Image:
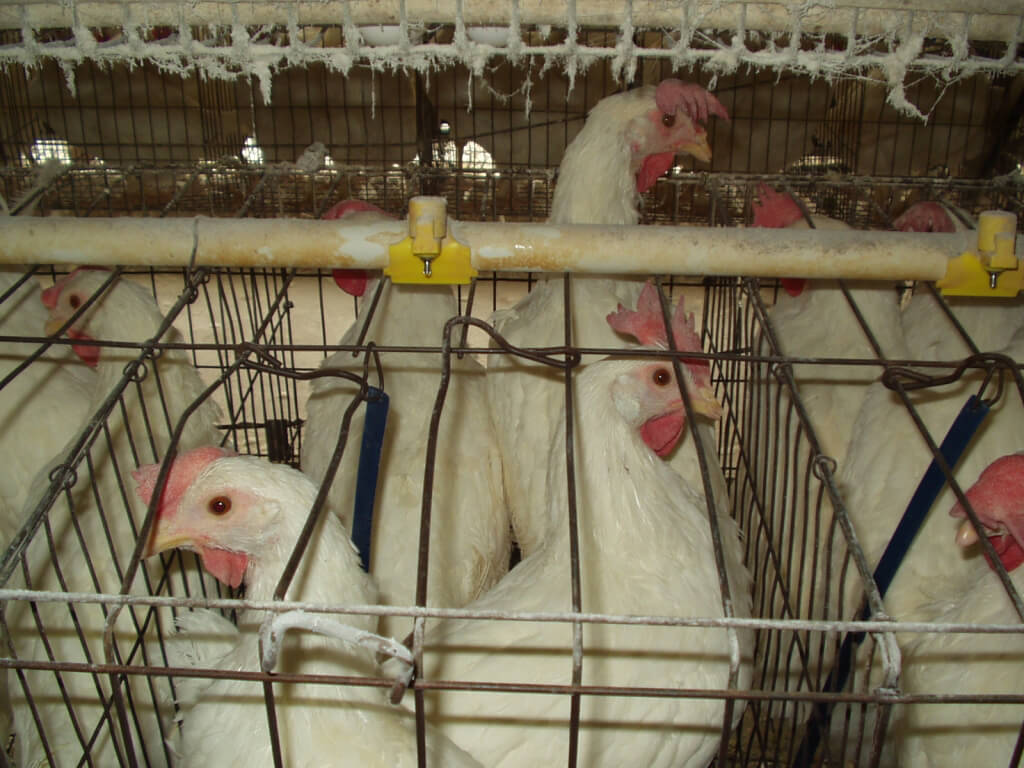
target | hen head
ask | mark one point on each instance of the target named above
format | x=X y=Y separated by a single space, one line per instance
x=647 y=396
x=778 y=210
x=925 y=217
x=998 y=500
x=210 y=505
x=352 y=281
x=672 y=127
x=65 y=297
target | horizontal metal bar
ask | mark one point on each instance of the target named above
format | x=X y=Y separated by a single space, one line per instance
x=522 y=247
x=539 y=616
x=209 y=673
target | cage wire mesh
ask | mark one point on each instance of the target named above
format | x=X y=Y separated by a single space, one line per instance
x=275 y=110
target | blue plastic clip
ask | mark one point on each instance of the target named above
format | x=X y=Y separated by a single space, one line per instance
x=369 y=468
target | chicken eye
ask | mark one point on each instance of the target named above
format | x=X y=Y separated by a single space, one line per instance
x=219 y=506
x=668 y=120
x=74 y=301
x=661 y=377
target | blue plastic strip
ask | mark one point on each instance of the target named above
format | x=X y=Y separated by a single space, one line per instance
x=369 y=467
x=934 y=480
x=955 y=443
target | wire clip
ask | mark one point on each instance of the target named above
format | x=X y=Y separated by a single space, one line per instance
x=993 y=269
x=274 y=629
x=429 y=255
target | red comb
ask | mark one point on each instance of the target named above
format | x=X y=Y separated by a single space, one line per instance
x=998 y=495
x=925 y=217
x=184 y=470
x=351 y=281
x=775 y=210
x=52 y=294
x=673 y=94
x=647 y=325
x=345 y=207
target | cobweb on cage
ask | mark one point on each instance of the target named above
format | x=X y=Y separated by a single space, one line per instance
x=892 y=42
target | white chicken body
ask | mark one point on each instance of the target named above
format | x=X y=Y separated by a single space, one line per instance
x=645 y=547
x=41 y=406
x=318 y=724
x=94 y=533
x=819 y=323
x=597 y=184
x=955 y=735
x=470 y=540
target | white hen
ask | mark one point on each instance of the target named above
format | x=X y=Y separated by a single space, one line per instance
x=887 y=458
x=469 y=534
x=628 y=140
x=244 y=516
x=815 y=320
x=951 y=735
x=886 y=461
x=94 y=525
x=42 y=405
x=645 y=548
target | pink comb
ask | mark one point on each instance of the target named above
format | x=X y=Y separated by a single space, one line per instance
x=673 y=94
x=647 y=325
x=775 y=210
x=345 y=207
x=184 y=470
x=925 y=217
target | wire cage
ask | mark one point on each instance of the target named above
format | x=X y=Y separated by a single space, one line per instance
x=145 y=111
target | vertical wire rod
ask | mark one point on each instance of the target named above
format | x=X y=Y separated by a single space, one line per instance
x=712 y=511
x=574 y=539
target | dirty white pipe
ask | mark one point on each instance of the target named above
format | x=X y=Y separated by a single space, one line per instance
x=648 y=250
x=310 y=243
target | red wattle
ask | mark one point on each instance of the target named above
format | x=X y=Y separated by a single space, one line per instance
x=351 y=281
x=87 y=353
x=661 y=434
x=652 y=168
x=226 y=567
x=1010 y=553
x=794 y=285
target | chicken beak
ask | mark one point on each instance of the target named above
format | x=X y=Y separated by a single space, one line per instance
x=966 y=535
x=698 y=148
x=161 y=541
x=706 y=404
x=53 y=324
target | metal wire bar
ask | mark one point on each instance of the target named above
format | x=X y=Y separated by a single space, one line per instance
x=711 y=507
x=527 y=688
x=573 y=518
